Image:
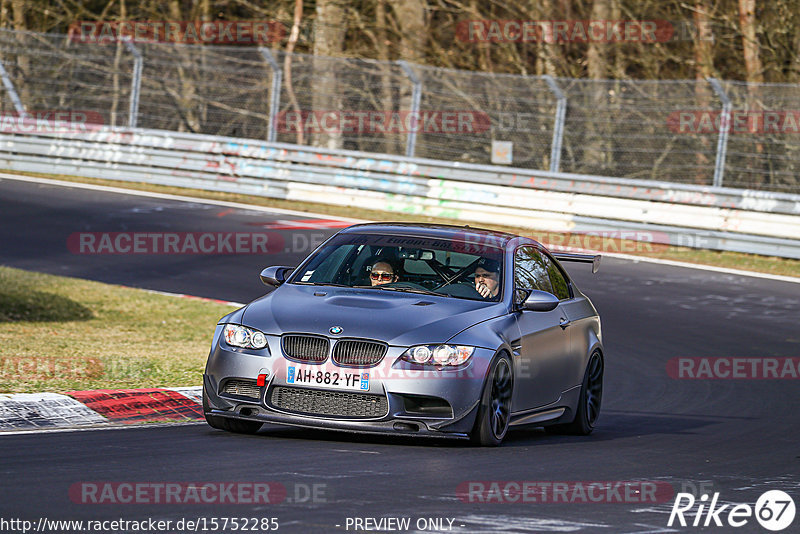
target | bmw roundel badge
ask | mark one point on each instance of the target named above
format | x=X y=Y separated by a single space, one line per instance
x=336 y=330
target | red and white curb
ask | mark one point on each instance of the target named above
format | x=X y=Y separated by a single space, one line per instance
x=99 y=408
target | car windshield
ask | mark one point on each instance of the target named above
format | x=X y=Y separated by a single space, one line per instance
x=445 y=267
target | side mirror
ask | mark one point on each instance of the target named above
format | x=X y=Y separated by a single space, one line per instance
x=275 y=275
x=541 y=301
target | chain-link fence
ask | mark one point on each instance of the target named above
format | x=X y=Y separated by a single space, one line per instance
x=672 y=131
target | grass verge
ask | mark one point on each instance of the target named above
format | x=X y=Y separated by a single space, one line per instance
x=59 y=334
x=730 y=260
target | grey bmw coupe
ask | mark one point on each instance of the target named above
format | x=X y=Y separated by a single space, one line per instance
x=416 y=330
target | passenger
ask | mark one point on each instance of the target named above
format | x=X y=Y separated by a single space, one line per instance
x=382 y=272
x=487 y=278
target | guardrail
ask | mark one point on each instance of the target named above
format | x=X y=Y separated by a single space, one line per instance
x=666 y=213
x=700 y=131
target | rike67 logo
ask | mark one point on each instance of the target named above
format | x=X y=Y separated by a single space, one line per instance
x=774 y=510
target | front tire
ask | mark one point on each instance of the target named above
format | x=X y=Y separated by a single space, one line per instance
x=588 y=402
x=494 y=413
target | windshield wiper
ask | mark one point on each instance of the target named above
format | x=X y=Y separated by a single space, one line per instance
x=321 y=284
x=412 y=290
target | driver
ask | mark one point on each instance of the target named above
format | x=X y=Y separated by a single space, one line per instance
x=487 y=278
x=381 y=273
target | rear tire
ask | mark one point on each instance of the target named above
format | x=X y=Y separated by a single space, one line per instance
x=588 y=402
x=494 y=412
x=224 y=423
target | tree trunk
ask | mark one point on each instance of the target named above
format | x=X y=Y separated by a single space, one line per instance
x=411 y=19
x=794 y=77
x=413 y=32
x=23 y=63
x=597 y=55
x=551 y=56
x=186 y=90
x=704 y=68
x=752 y=56
x=596 y=151
x=287 y=63
x=755 y=74
x=391 y=145
x=120 y=49
x=330 y=27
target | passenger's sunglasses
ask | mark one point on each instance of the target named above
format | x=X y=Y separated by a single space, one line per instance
x=383 y=277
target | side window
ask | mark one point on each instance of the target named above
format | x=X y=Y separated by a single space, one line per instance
x=534 y=270
x=530 y=270
x=557 y=280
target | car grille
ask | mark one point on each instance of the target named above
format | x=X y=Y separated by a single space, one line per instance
x=305 y=348
x=358 y=353
x=335 y=403
x=241 y=388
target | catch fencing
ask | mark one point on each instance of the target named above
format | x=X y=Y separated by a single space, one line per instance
x=706 y=132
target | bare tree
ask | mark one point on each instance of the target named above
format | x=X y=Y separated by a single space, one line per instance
x=597 y=55
x=596 y=150
x=413 y=29
x=287 y=62
x=18 y=8
x=754 y=72
x=704 y=69
x=752 y=57
x=330 y=28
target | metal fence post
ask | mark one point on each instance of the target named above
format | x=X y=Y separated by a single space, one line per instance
x=136 y=84
x=12 y=91
x=558 y=126
x=416 y=97
x=275 y=93
x=724 y=128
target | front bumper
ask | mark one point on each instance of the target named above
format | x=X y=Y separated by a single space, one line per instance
x=418 y=401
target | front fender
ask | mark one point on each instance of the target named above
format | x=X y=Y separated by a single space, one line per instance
x=494 y=334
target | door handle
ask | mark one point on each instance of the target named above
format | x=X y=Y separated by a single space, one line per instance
x=564 y=323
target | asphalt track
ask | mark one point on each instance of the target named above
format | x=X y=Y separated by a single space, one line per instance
x=736 y=437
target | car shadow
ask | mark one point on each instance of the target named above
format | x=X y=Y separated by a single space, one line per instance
x=622 y=424
x=612 y=425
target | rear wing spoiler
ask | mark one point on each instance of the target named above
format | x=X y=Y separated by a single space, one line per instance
x=594 y=259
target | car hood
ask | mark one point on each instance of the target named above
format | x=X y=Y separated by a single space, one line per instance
x=397 y=318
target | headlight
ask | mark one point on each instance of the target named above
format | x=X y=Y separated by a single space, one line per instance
x=246 y=338
x=438 y=354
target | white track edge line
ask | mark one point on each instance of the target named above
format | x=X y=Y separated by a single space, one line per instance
x=167 y=196
x=672 y=263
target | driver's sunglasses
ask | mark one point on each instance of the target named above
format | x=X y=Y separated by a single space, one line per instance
x=383 y=277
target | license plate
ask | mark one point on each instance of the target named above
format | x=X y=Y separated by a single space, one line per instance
x=320 y=377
